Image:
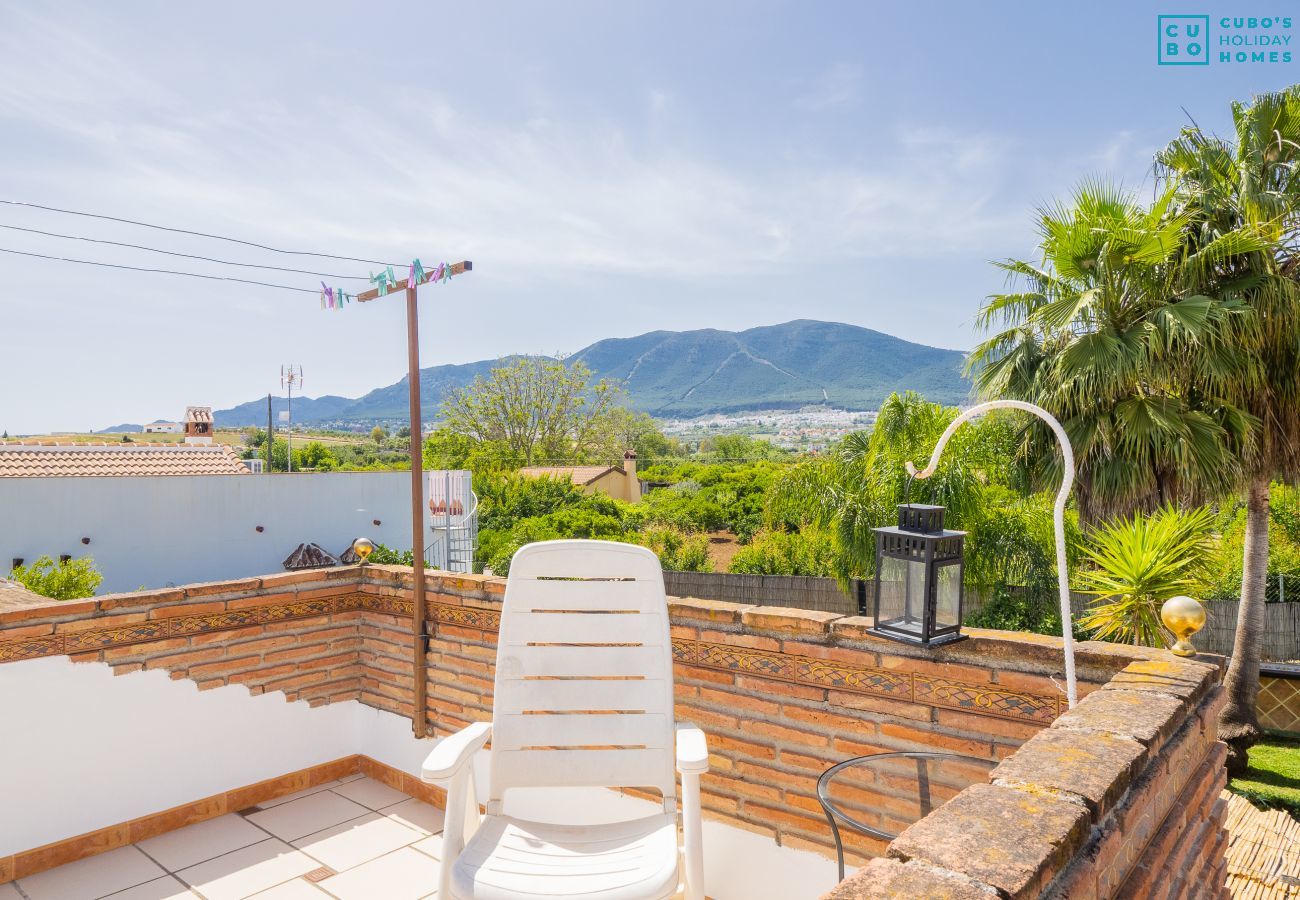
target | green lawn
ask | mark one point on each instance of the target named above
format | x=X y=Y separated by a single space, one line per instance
x=1273 y=778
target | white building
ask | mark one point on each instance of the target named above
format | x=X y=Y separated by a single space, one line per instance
x=151 y=515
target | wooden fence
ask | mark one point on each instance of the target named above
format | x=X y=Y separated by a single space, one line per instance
x=1280 y=640
x=1281 y=637
x=799 y=591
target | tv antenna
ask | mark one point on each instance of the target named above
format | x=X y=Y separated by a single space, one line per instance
x=290 y=376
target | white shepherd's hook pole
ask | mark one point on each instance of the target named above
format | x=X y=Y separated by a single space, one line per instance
x=1062 y=574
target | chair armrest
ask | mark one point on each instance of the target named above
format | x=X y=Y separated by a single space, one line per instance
x=455 y=751
x=692 y=751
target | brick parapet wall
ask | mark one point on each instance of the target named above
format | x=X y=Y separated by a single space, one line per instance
x=781 y=693
x=1119 y=798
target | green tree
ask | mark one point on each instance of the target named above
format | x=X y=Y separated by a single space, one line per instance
x=447 y=449
x=378 y=434
x=66 y=580
x=1240 y=196
x=740 y=447
x=624 y=429
x=315 y=455
x=538 y=407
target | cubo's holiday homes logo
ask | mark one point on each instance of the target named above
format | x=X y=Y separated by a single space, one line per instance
x=1236 y=40
x=1182 y=40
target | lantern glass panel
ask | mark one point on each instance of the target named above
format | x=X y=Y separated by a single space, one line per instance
x=901 y=604
x=947 y=596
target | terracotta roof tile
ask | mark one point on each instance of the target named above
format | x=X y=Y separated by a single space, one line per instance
x=579 y=475
x=198 y=414
x=14 y=596
x=310 y=556
x=50 y=459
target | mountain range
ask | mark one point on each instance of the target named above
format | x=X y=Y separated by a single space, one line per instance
x=683 y=374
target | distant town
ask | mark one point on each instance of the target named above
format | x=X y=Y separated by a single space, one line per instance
x=810 y=429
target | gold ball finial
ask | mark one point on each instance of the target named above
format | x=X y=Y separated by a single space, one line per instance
x=363 y=547
x=1184 y=617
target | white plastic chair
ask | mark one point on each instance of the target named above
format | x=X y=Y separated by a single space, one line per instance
x=583 y=698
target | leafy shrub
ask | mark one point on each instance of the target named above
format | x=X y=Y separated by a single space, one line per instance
x=710 y=497
x=526 y=532
x=1011 y=609
x=506 y=499
x=808 y=552
x=677 y=550
x=389 y=557
x=61 y=581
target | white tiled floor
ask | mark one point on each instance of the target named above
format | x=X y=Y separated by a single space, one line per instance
x=373 y=843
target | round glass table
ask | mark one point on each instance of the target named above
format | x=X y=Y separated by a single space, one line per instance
x=881 y=794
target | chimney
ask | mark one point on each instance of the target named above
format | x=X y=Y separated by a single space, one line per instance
x=629 y=474
x=198 y=425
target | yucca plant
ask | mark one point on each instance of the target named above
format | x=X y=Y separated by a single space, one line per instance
x=1140 y=563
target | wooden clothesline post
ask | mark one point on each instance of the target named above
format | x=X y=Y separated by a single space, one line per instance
x=419 y=714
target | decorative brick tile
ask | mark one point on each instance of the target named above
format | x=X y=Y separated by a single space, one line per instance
x=31 y=648
x=467 y=616
x=1279 y=703
x=223 y=621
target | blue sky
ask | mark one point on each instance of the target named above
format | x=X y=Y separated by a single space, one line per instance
x=611 y=168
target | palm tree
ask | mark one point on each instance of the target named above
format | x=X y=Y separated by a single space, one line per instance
x=1105 y=334
x=1243 y=195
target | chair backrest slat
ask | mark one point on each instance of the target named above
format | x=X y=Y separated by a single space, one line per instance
x=584 y=689
x=573 y=768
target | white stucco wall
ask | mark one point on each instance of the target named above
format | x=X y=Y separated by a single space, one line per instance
x=166 y=530
x=83 y=749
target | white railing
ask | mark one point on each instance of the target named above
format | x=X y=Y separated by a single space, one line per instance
x=1062 y=570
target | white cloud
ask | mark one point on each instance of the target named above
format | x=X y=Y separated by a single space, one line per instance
x=836 y=87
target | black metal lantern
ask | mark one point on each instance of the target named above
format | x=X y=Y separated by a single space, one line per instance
x=917 y=594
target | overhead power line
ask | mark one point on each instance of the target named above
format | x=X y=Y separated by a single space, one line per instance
x=224 y=262
x=215 y=237
x=87 y=262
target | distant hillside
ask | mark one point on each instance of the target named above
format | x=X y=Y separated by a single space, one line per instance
x=800 y=363
x=305 y=409
x=120 y=429
x=394 y=401
x=691 y=373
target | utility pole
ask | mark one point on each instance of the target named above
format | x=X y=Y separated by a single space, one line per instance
x=270 y=434
x=289 y=376
x=419 y=712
